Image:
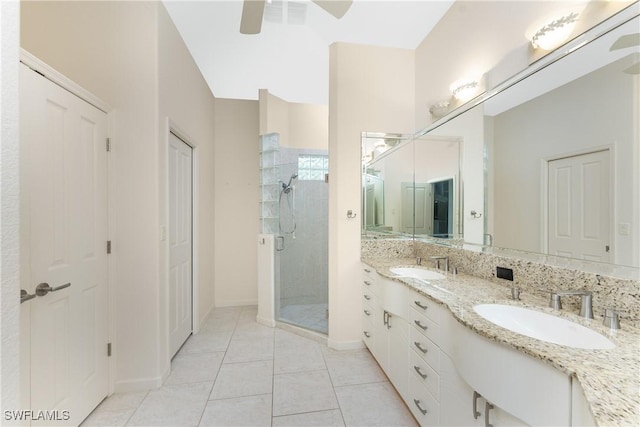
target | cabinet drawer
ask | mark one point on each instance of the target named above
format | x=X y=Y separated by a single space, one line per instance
x=424 y=374
x=423 y=405
x=368 y=336
x=425 y=326
x=426 y=306
x=368 y=297
x=370 y=284
x=425 y=348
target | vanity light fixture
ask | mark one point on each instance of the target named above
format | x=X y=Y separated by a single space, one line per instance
x=555 y=32
x=439 y=109
x=464 y=90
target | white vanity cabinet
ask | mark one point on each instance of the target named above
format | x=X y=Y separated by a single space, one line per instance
x=385 y=330
x=449 y=375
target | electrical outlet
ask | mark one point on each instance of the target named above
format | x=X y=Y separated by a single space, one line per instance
x=504 y=273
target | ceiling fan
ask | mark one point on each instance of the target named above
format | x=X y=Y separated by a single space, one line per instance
x=253 y=11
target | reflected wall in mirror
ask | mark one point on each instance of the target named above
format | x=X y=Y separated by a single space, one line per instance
x=564 y=155
x=411 y=186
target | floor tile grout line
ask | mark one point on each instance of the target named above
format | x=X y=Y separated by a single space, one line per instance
x=219 y=368
x=333 y=387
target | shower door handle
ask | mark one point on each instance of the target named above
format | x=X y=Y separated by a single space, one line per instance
x=279 y=243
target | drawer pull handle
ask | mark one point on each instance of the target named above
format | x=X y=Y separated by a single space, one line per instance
x=420 y=325
x=367 y=334
x=487 y=407
x=366 y=270
x=367 y=312
x=476 y=413
x=367 y=297
x=417 y=368
x=419 y=304
x=417 y=403
x=417 y=344
x=368 y=283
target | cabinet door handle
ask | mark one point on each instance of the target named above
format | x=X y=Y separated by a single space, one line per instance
x=420 y=325
x=476 y=413
x=417 y=344
x=367 y=312
x=367 y=334
x=487 y=407
x=417 y=403
x=368 y=283
x=417 y=368
x=419 y=304
x=367 y=297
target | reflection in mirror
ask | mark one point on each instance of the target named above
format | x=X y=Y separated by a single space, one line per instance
x=564 y=155
x=561 y=154
x=437 y=186
x=411 y=186
x=387 y=167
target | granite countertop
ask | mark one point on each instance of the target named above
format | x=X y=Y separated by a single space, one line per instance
x=610 y=378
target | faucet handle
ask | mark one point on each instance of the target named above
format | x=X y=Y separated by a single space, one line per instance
x=554 y=301
x=611 y=318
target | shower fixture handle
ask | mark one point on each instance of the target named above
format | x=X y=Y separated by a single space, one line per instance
x=279 y=243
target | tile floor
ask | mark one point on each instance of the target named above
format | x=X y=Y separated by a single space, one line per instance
x=236 y=372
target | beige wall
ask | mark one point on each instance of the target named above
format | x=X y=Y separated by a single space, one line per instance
x=370 y=89
x=237 y=210
x=186 y=105
x=299 y=125
x=129 y=54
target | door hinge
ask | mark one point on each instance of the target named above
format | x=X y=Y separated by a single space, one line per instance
x=108 y=144
x=108 y=247
x=108 y=349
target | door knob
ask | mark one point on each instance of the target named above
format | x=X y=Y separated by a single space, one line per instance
x=43 y=288
x=26 y=296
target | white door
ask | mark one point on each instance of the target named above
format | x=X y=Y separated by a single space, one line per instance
x=64 y=236
x=579 y=206
x=417 y=210
x=180 y=242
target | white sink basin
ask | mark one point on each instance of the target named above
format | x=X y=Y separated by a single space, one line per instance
x=416 y=273
x=543 y=326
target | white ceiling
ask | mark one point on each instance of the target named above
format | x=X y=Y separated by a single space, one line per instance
x=291 y=60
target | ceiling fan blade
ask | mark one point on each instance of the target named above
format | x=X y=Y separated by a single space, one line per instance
x=626 y=41
x=335 y=7
x=252 y=11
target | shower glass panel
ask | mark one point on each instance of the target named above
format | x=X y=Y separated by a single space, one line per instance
x=301 y=236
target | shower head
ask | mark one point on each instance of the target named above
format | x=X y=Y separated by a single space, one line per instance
x=287 y=187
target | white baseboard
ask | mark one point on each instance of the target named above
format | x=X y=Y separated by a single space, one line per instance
x=345 y=345
x=266 y=321
x=142 y=384
x=236 y=302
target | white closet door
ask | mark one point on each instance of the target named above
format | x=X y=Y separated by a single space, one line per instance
x=579 y=207
x=180 y=242
x=64 y=231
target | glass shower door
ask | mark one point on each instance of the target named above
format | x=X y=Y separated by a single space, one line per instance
x=301 y=239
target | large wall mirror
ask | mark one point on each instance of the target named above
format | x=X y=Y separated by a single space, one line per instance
x=560 y=155
x=564 y=155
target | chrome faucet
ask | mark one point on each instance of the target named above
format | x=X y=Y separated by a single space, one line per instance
x=437 y=260
x=586 y=299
